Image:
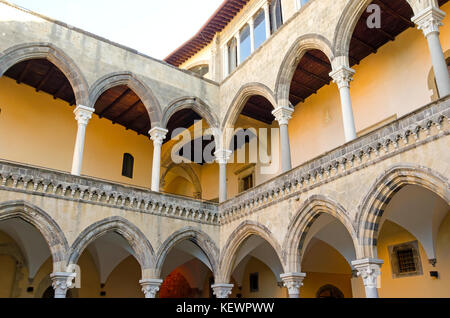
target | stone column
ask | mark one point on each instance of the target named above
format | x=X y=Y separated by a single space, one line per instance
x=82 y=114
x=369 y=269
x=251 y=24
x=226 y=59
x=283 y=114
x=222 y=290
x=222 y=157
x=61 y=283
x=150 y=287
x=293 y=282
x=267 y=18
x=238 y=48
x=342 y=77
x=429 y=20
x=157 y=135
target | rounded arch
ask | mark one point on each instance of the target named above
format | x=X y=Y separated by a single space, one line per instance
x=382 y=191
x=239 y=235
x=298 y=229
x=198 y=237
x=238 y=103
x=61 y=60
x=143 y=251
x=292 y=58
x=193 y=103
x=190 y=172
x=44 y=223
x=349 y=18
x=131 y=80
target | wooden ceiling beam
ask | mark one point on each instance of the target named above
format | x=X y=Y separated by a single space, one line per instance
x=24 y=72
x=115 y=102
x=45 y=78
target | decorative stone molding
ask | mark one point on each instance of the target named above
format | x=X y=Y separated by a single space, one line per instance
x=61 y=283
x=223 y=156
x=293 y=282
x=158 y=135
x=369 y=269
x=83 y=114
x=222 y=290
x=342 y=76
x=150 y=287
x=429 y=20
x=61 y=185
x=283 y=114
x=422 y=126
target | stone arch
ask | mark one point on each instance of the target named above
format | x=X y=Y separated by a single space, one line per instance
x=195 y=104
x=293 y=56
x=198 y=237
x=308 y=213
x=131 y=80
x=143 y=251
x=42 y=50
x=190 y=172
x=238 y=103
x=44 y=223
x=349 y=19
x=239 y=235
x=381 y=193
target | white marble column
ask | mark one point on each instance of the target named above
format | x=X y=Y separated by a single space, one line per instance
x=222 y=158
x=251 y=25
x=369 y=269
x=342 y=77
x=238 y=48
x=82 y=114
x=157 y=135
x=222 y=290
x=150 y=287
x=429 y=20
x=293 y=282
x=267 y=18
x=283 y=114
x=62 y=282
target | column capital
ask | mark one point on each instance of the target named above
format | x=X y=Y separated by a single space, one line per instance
x=83 y=114
x=342 y=76
x=222 y=290
x=369 y=269
x=293 y=282
x=61 y=282
x=158 y=134
x=429 y=20
x=223 y=156
x=283 y=114
x=150 y=287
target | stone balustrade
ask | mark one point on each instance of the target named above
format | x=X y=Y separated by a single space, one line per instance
x=61 y=185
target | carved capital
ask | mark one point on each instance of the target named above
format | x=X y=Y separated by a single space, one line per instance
x=150 y=287
x=293 y=282
x=222 y=290
x=158 y=135
x=283 y=114
x=429 y=20
x=223 y=156
x=369 y=269
x=83 y=114
x=342 y=76
x=62 y=282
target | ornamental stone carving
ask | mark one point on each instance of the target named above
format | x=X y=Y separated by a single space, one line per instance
x=429 y=20
x=342 y=76
x=369 y=270
x=283 y=114
x=83 y=114
x=158 y=135
x=150 y=287
x=222 y=290
x=293 y=282
x=61 y=283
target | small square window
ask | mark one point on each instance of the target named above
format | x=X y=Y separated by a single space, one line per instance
x=128 y=165
x=247 y=182
x=254 y=282
x=405 y=260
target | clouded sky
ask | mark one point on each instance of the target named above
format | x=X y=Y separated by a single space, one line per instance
x=153 y=27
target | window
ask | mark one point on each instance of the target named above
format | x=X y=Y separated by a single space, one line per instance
x=232 y=55
x=127 y=167
x=247 y=182
x=405 y=260
x=276 y=15
x=246 y=45
x=260 y=29
x=303 y=2
x=254 y=282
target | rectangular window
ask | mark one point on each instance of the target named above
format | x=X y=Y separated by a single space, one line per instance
x=254 y=282
x=247 y=182
x=127 y=166
x=246 y=45
x=260 y=29
x=405 y=260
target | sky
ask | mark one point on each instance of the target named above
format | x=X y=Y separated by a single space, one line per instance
x=153 y=27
